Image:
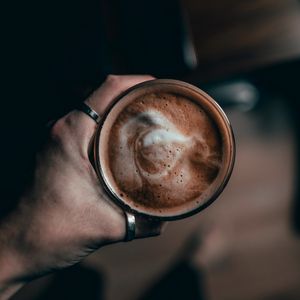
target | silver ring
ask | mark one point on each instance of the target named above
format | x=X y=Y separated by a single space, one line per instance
x=130 y=226
x=89 y=111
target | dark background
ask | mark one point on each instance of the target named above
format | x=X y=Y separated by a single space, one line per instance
x=54 y=53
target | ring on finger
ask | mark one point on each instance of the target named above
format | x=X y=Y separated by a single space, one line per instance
x=89 y=111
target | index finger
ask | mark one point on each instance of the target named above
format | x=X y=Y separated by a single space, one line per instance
x=99 y=100
x=111 y=88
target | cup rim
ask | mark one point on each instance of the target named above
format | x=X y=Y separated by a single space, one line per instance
x=231 y=145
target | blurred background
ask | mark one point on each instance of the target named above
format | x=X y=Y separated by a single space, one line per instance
x=246 y=54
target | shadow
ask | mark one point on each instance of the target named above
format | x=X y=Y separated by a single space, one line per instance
x=77 y=282
x=180 y=282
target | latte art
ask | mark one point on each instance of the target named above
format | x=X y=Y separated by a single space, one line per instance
x=149 y=139
x=163 y=152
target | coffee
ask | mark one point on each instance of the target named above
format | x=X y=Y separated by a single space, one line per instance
x=162 y=149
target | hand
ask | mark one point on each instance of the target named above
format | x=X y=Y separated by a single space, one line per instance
x=65 y=214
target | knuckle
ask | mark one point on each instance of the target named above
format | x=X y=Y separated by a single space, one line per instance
x=56 y=130
x=59 y=129
x=113 y=79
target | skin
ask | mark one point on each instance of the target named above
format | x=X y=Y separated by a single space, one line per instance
x=64 y=215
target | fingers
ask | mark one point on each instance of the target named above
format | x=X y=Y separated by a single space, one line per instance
x=84 y=126
x=101 y=98
x=99 y=101
x=111 y=88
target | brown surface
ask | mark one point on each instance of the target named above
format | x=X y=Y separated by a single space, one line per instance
x=234 y=36
x=250 y=253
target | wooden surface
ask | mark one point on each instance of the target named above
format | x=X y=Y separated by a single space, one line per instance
x=233 y=36
x=250 y=252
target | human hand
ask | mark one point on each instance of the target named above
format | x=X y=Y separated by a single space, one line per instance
x=65 y=214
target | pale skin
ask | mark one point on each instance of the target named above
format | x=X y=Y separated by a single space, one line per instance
x=64 y=215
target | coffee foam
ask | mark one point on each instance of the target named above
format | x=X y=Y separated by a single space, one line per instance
x=163 y=152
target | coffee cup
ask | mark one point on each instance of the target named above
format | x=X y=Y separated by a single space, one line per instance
x=164 y=149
